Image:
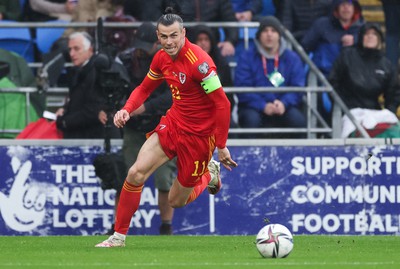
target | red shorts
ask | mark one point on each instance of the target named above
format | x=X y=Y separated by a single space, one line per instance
x=193 y=152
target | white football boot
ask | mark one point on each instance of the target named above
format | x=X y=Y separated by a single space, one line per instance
x=215 y=183
x=116 y=240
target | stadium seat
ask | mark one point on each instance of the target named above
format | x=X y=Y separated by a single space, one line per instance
x=45 y=37
x=17 y=40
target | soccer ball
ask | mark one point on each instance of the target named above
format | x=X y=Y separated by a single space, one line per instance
x=274 y=241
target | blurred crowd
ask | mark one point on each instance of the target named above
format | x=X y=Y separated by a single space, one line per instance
x=359 y=58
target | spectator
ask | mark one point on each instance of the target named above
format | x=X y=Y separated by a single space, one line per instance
x=298 y=16
x=10 y=10
x=144 y=119
x=118 y=39
x=362 y=73
x=144 y=10
x=247 y=10
x=391 y=9
x=83 y=115
x=212 y=11
x=329 y=34
x=270 y=64
x=46 y=10
x=270 y=8
x=12 y=105
x=91 y=10
x=204 y=37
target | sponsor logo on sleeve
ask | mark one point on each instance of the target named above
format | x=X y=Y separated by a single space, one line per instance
x=203 y=68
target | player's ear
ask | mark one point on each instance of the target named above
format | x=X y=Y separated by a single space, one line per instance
x=184 y=31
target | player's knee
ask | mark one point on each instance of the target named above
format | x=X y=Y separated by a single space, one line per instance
x=135 y=177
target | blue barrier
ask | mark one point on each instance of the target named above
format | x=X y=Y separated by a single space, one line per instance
x=320 y=189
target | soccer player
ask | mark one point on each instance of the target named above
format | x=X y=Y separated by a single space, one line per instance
x=197 y=122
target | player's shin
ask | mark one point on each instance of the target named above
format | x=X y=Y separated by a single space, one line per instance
x=199 y=188
x=128 y=204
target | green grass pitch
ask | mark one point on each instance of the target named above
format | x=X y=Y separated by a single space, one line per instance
x=197 y=252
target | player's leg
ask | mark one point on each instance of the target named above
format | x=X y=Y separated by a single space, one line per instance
x=164 y=176
x=150 y=157
x=132 y=142
x=180 y=195
x=194 y=155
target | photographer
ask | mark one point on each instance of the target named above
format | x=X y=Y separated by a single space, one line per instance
x=83 y=115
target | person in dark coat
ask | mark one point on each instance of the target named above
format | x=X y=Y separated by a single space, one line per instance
x=362 y=73
x=298 y=15
x=326 y=38
x=329 y=34
x=80 y=117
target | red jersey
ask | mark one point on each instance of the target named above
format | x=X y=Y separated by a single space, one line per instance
x=192 y=109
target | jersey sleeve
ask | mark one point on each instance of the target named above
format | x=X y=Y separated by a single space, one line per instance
x=223 y=116
x=153 y=79
x=206 y=74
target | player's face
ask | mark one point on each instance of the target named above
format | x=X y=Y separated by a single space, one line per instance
x=204 y=42
x=172 y=38
x=77 y=51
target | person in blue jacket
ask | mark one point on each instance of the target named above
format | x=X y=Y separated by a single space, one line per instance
x=326 y=38
x=268 y=63
x=329 y=34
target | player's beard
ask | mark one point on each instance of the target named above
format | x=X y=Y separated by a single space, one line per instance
x=176 y=49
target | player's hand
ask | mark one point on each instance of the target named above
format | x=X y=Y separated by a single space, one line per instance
x=224 y=157
x=120 y=118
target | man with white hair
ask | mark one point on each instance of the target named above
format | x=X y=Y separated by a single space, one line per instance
x=80 y=117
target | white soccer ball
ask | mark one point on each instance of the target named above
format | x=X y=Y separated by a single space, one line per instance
x=274 y=241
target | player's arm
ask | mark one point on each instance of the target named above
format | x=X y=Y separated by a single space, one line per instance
x=213 y=88
x=141 y=93
x=137 y=98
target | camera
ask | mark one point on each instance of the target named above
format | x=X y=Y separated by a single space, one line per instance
x=114 y=85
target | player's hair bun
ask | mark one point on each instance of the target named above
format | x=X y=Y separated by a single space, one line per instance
x=169 y=10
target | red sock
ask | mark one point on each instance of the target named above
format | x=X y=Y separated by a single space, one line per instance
x=199 y=188
x=129 y=200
